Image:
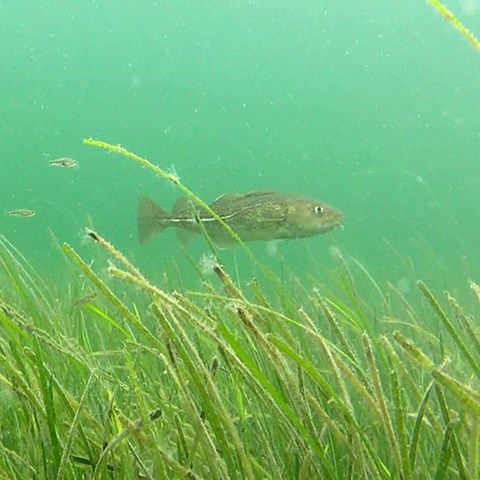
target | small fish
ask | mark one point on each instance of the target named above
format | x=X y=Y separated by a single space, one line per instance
x=86 y=299
x=63 y=162
x=21 y=212
x=254 y=216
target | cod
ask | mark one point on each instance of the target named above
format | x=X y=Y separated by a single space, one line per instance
x=262 y=215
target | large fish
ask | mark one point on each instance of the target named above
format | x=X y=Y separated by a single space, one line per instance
x=252 y=216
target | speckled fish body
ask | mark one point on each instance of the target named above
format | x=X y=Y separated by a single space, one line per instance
x=254 y=216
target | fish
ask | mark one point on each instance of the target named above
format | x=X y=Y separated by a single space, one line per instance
x=253 y=216
x=86 y=299
x=21 y=212
x=64 y=162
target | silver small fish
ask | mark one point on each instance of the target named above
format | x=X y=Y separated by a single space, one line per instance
x=21 y=212
x=64 y=162
x=86 y=299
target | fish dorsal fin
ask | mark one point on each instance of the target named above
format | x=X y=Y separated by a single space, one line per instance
x=182 y=204
x=235 y=197
x=259 y=193
x=227 y=197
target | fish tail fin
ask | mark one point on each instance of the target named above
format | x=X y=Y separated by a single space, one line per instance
x=151 y=219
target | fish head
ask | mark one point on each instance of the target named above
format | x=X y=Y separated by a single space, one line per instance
x=307 y=218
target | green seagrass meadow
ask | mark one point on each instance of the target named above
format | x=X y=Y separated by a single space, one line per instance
x=107 y=375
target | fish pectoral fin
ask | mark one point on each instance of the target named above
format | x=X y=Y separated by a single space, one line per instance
x=151 y=219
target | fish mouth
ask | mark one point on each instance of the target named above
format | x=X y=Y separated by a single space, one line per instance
x=338 y=216
x=335 y=220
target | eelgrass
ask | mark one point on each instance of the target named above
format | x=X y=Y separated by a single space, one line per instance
x=227 y=382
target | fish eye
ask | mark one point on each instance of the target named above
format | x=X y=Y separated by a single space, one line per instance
x=318 y=210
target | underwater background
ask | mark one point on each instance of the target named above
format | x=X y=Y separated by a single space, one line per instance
x=372 y=107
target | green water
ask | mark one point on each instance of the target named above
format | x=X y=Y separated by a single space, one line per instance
x=370 y=106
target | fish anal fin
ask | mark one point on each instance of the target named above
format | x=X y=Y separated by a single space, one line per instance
x=185 y=236
x=151 y=219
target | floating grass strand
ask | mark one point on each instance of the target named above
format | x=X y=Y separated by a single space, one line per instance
x=172 y=179
x=449 y=16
